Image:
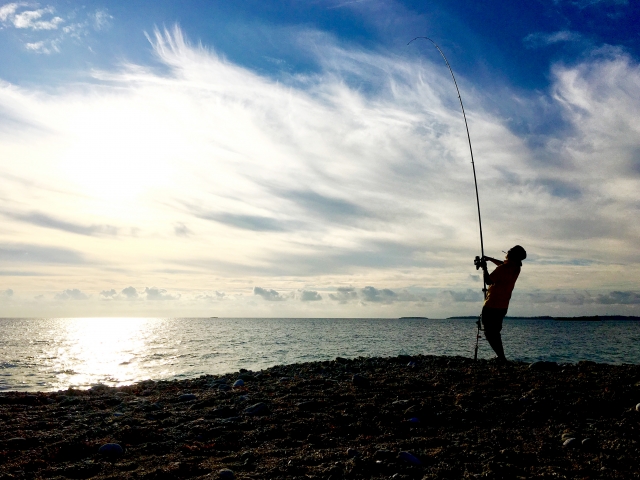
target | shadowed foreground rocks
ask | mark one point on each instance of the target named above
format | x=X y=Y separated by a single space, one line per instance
x=415 y=417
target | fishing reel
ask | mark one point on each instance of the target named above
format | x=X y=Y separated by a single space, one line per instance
x=479 y=263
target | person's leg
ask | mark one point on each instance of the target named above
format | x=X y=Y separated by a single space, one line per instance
x=495 y=340
x=492 y=321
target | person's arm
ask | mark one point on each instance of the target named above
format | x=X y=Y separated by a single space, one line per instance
x=497 y=262
x=487 y=278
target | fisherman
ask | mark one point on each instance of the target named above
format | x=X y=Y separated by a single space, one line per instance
x=501 y=282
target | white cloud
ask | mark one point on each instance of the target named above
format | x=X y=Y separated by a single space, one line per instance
x=130 y=293
x=156 y=294
x=47 y=31
x=71 y=294
x=8 y=11
x=269 y=295
x=344 y=295
x=109 y=293
x=310 y=296
x=32 y=19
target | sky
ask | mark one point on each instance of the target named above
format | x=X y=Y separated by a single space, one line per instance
x=299 y=159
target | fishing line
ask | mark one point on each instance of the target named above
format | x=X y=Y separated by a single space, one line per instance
x=475 y=181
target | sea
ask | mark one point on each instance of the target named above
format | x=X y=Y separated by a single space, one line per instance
x=50 y=354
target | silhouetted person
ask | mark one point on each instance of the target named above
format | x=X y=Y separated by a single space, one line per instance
x=501 y=282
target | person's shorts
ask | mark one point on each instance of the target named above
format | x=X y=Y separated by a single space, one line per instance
x=492 y=318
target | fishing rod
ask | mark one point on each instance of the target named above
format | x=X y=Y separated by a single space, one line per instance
x=478 y=260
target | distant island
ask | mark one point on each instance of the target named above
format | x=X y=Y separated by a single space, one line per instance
x=590 y=318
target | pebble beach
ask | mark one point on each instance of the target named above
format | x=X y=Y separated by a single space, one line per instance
x=406 y=417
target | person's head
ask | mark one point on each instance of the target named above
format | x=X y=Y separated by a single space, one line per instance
x=517 y=253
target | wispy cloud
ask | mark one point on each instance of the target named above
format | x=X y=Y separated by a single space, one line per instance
x=29 y=253
x=102 y=20
x=356 y=176
x=254 y=223
x=542 y=39
x=47 y=221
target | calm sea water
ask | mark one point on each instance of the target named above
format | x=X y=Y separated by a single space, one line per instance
x=53 y=354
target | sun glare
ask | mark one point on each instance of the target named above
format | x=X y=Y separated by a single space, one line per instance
x=101 y=351
x=118 y=154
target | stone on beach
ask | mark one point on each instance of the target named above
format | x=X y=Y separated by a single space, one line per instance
x=359 y=381
x=226 y=474
x=410 y=458
x=238 y=383
x=111 y=450
x=257 y=409
x=544 y=366
x=15 y=443
x=187 y=397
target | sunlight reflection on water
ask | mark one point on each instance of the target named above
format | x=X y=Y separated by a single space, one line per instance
x=52 y=354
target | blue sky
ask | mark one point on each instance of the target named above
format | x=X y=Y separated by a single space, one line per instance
x=299 y=159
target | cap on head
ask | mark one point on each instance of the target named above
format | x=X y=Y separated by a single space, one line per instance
x=518 y=253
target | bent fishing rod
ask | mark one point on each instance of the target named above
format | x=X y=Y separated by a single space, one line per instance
x=478 y=261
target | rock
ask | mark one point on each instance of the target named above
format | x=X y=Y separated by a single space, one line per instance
x=257 y=409
x=638 y=407
x=221 y=412
x=383 y=454
x=352 y=452
x=586 y=363
x=589 y=444
x=411 y=364
x=16 y=443
x=111 y=450
x=359 y=381
x=229 y=420
x=571 y=443
x=238 y=383
x=409 y=458
x=341 y=360
x=544 y=366
x=311 y=406
x=414 y=420
x=187 y=397
x=247 y=377
x=226 y=474
x=224 y=387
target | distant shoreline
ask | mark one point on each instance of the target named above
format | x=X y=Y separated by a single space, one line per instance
x=589 y=318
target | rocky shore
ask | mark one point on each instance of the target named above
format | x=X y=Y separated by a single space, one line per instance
x=406 y=417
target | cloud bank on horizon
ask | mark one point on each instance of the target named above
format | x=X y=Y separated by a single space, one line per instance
x=193 y=182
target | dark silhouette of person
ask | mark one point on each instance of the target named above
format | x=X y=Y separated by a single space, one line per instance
x=501 y=282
